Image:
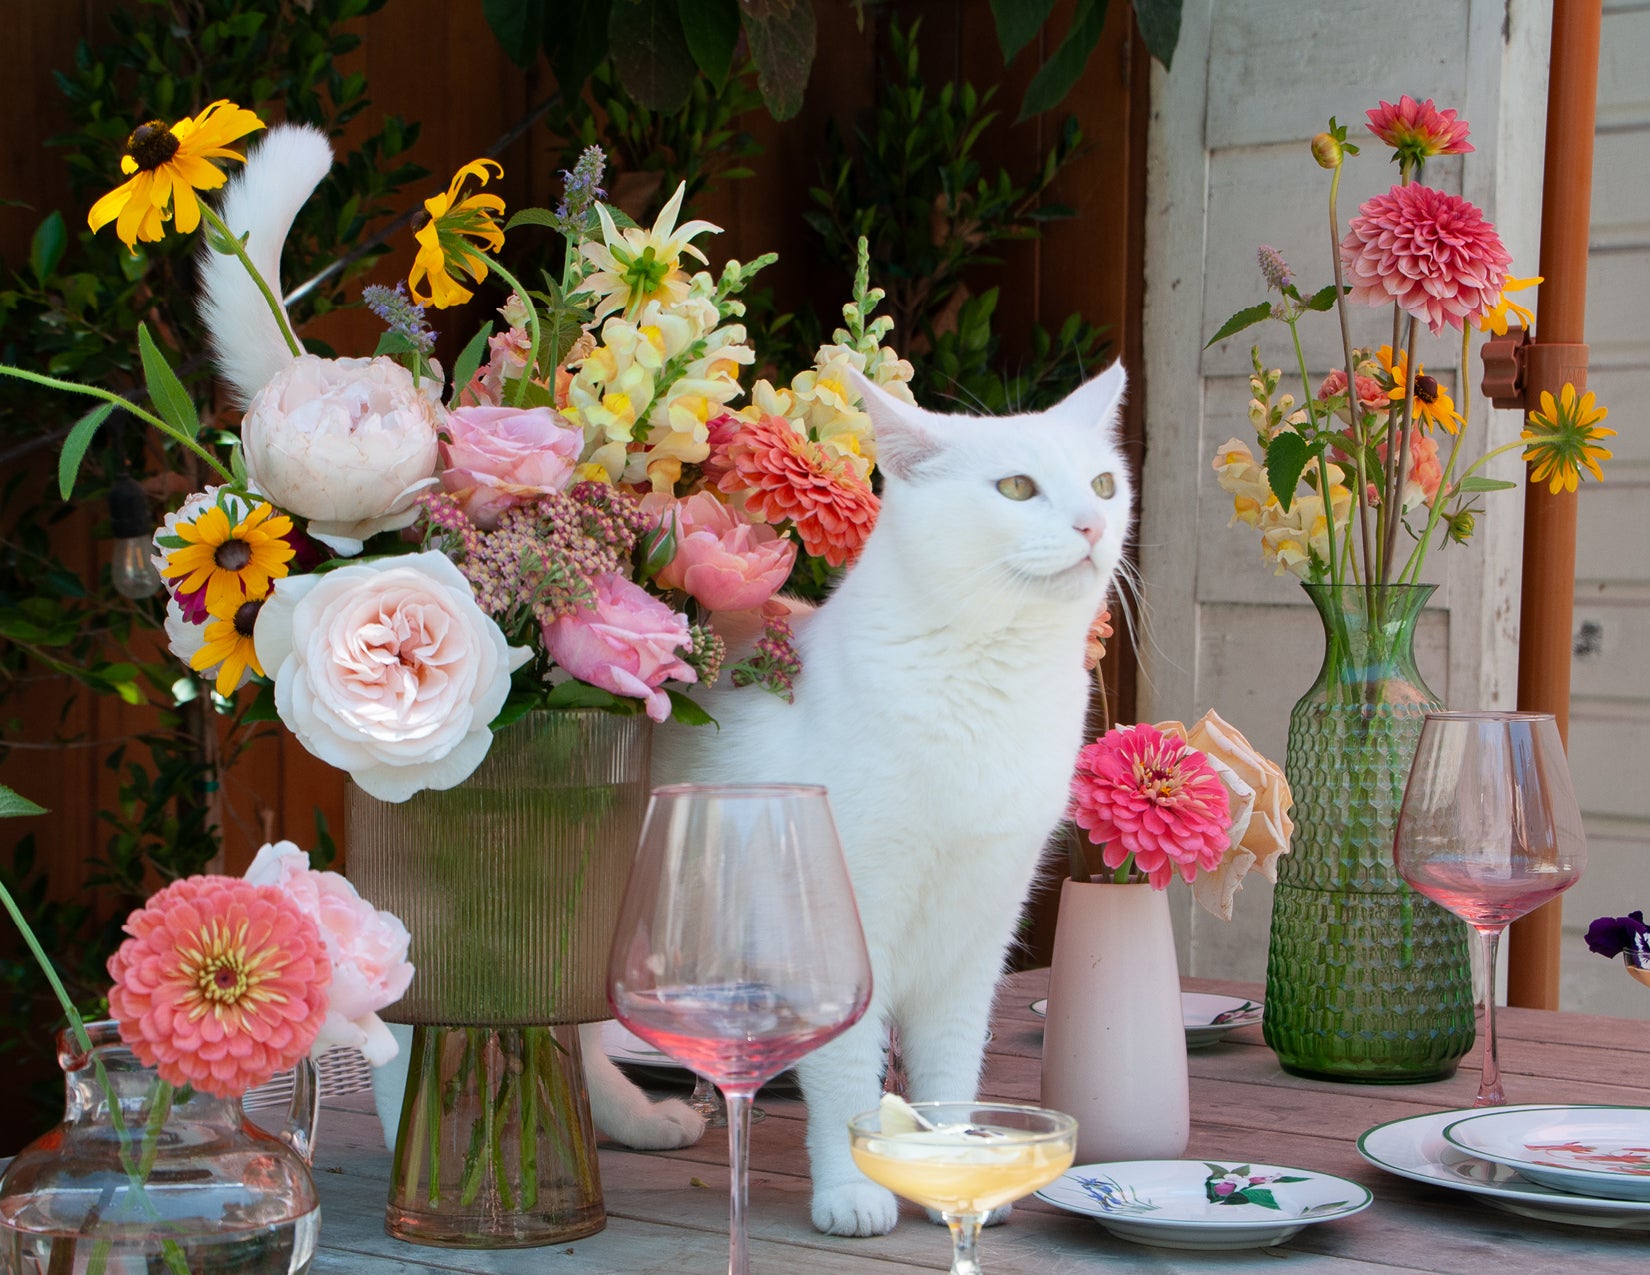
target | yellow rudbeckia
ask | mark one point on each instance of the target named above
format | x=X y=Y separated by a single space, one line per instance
x=1563 y=436
x=229 y=647
x=443 y=242
x=1495 y=318
x=166 y=166
x=232 y=562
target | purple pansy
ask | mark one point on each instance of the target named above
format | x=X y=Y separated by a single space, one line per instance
x=1612 y=935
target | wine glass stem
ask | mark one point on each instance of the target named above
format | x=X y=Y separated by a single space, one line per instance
x=1490 y=1091
x=739 y=1135
x=965 y=1235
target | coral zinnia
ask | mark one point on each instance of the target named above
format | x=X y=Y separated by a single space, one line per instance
x=1417 y=131
x=1430 y=252
x=785 y=475
x=166 y=166
x=231 y=563
x=221 y=984
x=443 y=241
x=1145 y=795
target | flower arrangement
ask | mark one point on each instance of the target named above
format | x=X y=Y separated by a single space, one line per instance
x=1163 y=800
x=1625 y=936
x=404 y=561
x=1358 y=457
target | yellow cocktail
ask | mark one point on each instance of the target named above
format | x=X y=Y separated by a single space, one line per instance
x=962 y=1158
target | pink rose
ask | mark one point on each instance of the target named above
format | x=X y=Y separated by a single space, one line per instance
x=723 y=561
x=626 y=643
x=497 y=457
x=367 y=948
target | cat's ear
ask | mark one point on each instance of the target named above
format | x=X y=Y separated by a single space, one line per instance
x=1096 y=402
x=904 y=438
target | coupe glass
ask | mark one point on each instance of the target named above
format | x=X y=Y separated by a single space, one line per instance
x=965 y=1159
x=738 y=947
x=1490 y=829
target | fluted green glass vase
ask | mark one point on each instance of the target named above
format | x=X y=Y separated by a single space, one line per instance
x=1366 y=980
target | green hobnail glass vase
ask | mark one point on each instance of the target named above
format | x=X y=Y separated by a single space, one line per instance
x=1366 y=980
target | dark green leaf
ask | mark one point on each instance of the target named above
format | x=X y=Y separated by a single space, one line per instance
x=584 y=695
x=1323 y=298
x=46 y=250
x=577 y=40
x=1476 y=482
x=469 y=359
x=1017 y=21
x=13 y=804
x=782 y=45
x=1286 y=457
x=532 y=217
x=1244 y=318
x=262 y=707
x=1061 y=71
x=75 y=445
x=650 y=53
x=518 y=26
x=711 y=28
x=686 y=711
x=521 y=701
x=1159 y=26
x=171 y=400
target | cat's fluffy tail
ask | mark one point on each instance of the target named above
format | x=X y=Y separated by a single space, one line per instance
x=259 y=203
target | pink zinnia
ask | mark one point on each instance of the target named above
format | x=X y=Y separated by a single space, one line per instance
x=786 y=475
x=1139 y=792
x=1418 y=130
x=1431 y=252
x=221 y=984
x=1371 y=397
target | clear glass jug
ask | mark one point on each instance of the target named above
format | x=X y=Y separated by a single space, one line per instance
x=144 y=1179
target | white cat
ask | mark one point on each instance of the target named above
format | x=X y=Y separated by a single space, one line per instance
x=941 y=702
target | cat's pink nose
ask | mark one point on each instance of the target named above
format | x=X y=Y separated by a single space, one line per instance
x=1093 y=530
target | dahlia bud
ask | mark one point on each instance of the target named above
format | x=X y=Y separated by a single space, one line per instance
x=1326 y=149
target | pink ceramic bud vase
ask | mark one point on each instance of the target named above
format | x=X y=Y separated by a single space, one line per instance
x=1114 y=1043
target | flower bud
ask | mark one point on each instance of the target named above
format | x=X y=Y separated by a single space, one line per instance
x=1326 y=149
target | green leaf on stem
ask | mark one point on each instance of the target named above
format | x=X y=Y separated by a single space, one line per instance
x=171 y=400
x=1017 y=21
x=1159 y=22
x=1476 y=482
x=1062 y=71
x=1324 y=297
x=46 y=249
x=262 y=708
x=469 y=359
x=13 y=804
x=686 y=711
x=645 y=41
x=1286 y=456
x=781 y=41
x=75 y=445
x=711 y=28
x=1245 y=318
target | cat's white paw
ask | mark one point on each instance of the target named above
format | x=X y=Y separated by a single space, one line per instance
x=996 y=1217
x=664 y=1126
x=855 y=1208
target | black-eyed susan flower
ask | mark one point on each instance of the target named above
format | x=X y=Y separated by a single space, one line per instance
x=1433 y=404
x=233 y=562
x=445 y=241
x=1495 y=318
x=1562 y=437
x=228 y=645
x=165 y=167
x=635 y=266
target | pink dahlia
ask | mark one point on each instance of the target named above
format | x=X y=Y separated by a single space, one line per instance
x=1138 y=792
x=1418 y=130
x=786 y=475
x=1431 y=252
x=221 y=984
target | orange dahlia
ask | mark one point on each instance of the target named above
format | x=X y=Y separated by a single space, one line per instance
x=221 y=984
x=787 y=476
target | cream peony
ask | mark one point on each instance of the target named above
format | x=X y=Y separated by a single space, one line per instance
x=367 y=948
x=346 y=444
x=388 y=669
x=1261 y=825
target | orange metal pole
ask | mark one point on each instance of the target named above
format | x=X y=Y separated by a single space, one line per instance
x=1559 y=354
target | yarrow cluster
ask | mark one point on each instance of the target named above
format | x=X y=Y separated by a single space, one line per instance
x=1354 y=461
x=400 y=557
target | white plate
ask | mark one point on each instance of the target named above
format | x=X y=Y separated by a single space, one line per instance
x=1586 y=1150
x=1207 y=1017
x=1202 y=1204
x=1414 y=1148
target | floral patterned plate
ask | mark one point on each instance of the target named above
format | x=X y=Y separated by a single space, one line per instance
x=1200 y=1204
x=1414 y=1148
x=1207 y=1017
x=1586 y=1150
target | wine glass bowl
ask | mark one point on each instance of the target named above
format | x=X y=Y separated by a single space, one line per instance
x=963 y=1159
x=738 y=947
x=1490 y=829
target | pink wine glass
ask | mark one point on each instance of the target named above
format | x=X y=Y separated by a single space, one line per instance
x=1490 y=829
x=738 y=947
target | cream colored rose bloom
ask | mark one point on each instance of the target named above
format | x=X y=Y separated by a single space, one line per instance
x=1261 y=825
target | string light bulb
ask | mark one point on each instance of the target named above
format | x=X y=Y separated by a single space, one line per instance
x=131 y=571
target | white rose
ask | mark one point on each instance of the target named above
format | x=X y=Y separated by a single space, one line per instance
x=346 y=444
x=387 y=669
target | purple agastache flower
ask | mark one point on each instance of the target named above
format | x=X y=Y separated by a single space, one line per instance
x=1273 y=268
x=581 y=191
x=1610 y=936
x=400 y=313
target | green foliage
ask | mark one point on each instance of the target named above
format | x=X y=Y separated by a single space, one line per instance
x=912 y=185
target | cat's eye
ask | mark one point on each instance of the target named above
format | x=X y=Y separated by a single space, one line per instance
x=1017 y=487
x=1105 y=486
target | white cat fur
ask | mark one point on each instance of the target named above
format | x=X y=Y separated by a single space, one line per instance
x=941 y=702
x=260 y=202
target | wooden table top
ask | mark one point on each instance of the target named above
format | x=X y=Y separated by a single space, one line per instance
x=667 y=1211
